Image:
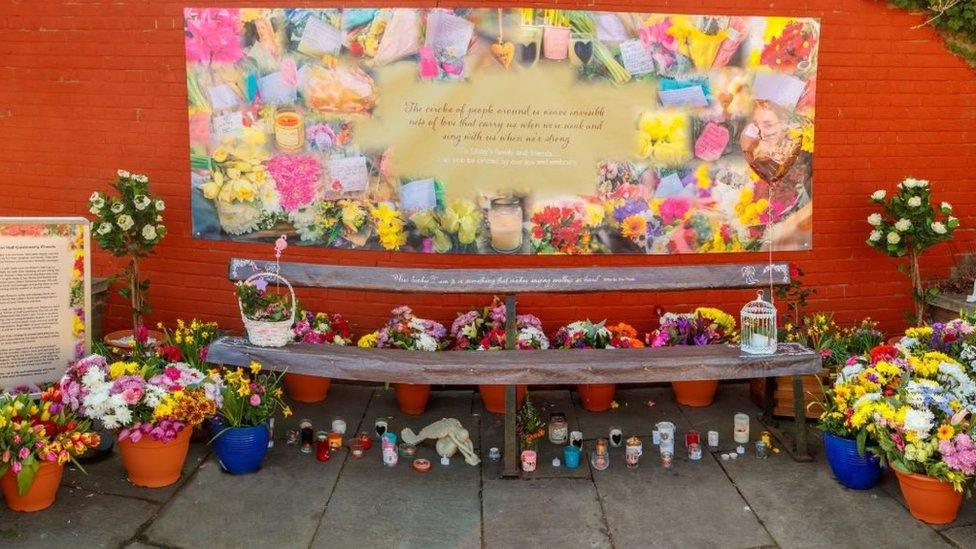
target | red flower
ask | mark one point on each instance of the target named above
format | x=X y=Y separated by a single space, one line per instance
x=171 y=353
x=883 y=352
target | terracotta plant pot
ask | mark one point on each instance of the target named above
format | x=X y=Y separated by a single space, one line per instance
x=113 y=339
x=411 y=398
x=930 y=500
x=155 y=464
x=303 y=388
x=41 y=493
x=596 y=397
x=695 y=393
x=493 y=397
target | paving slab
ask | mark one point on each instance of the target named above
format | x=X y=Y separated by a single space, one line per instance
x=547 y=402
x=78 y=518
x=375 y=505
x=558 y=512
x=108 y=476
x=633 y=416
x=801 y=505
x=289 y=493
x=963 y=536
x=693 y=504
x=345 y=401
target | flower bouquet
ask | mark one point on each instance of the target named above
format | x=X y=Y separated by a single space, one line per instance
x=248 y=401
x=317 y=328
x=37 y=437
x=188 y=342
x=703 y=326
x=407 y=331
x=585 y=334
x=484 y=330
x=560 y=230
x=153 y=404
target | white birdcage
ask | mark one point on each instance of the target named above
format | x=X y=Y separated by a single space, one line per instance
x=758 y=323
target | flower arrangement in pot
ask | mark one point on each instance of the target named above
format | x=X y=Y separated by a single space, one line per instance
x=189 y=342
x=37 y=438
x=484 y=330
x=153 y=405
x=703 y=326
x=407 y=331
x=129 y=225
x=267 y=313
x=249 y=400
x=316 y=328
x=585 y=334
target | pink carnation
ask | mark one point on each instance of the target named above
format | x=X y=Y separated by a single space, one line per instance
x=296 y=177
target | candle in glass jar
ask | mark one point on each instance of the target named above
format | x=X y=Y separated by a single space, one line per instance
x=740 y=430
x=338 y=426
x=364 y=441
x=335 y=441
x=322 y=449
x=289 y=130
x=759 y=340
x=505 y=224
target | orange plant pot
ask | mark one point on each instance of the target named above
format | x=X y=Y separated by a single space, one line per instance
x=697 y=394
x=412 y=398
x=41 y=493
x=493 y=397
x=597 y=397
x=930 y=500
x=154 y=464
x=304 y=388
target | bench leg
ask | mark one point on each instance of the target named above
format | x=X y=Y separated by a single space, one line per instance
x=769 y=398
x=802 y=453
x=511 y=457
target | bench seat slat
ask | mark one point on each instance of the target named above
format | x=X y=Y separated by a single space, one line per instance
x=512 y=367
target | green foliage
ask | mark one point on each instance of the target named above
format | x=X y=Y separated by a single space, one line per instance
x=955 y=19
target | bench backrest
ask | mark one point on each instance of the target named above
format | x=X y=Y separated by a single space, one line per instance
x=521 y=280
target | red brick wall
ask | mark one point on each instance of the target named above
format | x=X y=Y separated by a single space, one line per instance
x=88 y=87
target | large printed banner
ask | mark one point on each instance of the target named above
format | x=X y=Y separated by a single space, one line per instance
x=502 y=130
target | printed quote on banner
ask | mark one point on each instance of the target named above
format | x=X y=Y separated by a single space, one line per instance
x=502 y=130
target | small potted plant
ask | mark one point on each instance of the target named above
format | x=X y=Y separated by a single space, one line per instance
x=37 y=437
x=129 y=225
x=703 y=326
x=317 y=328
x=584 y=334
x=907 y=225
x=153 y=405
x=484 y=330
x=249 y=400
x=407 y=331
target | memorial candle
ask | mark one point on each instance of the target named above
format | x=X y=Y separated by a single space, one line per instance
x=505 y=224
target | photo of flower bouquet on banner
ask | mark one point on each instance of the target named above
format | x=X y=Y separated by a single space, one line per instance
x=298 y=127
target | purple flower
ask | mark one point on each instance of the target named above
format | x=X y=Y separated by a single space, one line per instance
x=631 y=207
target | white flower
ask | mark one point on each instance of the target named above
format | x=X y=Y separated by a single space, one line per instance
x=879 y=195
x=874 y=219
x=903 y=225
x=118 y=207
x=104 y=228
x=149 y=232
x=893 y=238
x=125 y=222
x=919 y=422
x=914 y=202
x=95 y=210
x=946 y=207
x=875 y=236
x=911 y=183
x=159 y=218
x=141 y=201
x=124 y=174
x=140 y=178
x=938 y=228
x=94 y=196
x=160 y=205
x=425 y=342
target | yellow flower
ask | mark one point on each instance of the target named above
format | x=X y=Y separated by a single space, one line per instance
x=594 y=214
x=369 y=340
x=633 y=226
x=286 y=412
x=120 y=368
x=945 y=432
x=663 y=137
x=244 y=389
x=255 y=368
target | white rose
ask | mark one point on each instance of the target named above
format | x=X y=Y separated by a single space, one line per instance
x=124 y=174
x=915 y=201
x=118 y=207
x=875 y=236
x=938 y=228
x=141 y=201
x=140 y=178
x=95 y=209
x=160 y=205
x=149 y=232
x=946 y=207
x=159 y=218
x=893 y=238
x=903 y=225
x=104 y=228
x=124 y=222
x=874 y=219
x=97 y=202
x=878 y=195
x=94 y=196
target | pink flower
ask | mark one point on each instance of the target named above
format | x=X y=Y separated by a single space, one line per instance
x=296 y=177
x=15 y=467
x=673 y=209
x=172 y=373
x=255 y=400
x=213 y=35
x=23 y=453
x=141 y=334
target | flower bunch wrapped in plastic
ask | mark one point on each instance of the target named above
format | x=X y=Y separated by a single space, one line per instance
x=33 y=431
x=583 y=334
x=560 y=230
x=153 y=398
x=405 y=330
x=703 y=326
x=484 y=330
x=322 y=328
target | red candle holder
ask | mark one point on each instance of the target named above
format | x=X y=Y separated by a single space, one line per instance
x=364 y=440
x=323 y=452
x=692 y=437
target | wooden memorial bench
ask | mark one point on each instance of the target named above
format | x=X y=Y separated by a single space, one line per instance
x=512 y=367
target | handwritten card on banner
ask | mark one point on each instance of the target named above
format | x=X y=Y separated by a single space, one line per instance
x=349 y=174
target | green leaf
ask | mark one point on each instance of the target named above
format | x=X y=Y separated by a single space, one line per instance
x=862 y=437
x=25 y=478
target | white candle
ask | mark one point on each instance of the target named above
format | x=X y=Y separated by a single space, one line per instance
x=338 y=426
x=740 y=431
x=759 y=340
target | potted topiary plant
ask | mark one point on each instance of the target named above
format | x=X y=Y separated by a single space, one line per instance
x=129 y=225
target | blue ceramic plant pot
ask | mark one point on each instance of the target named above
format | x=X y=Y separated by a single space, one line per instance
x=850 y=468
x=241 y=450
